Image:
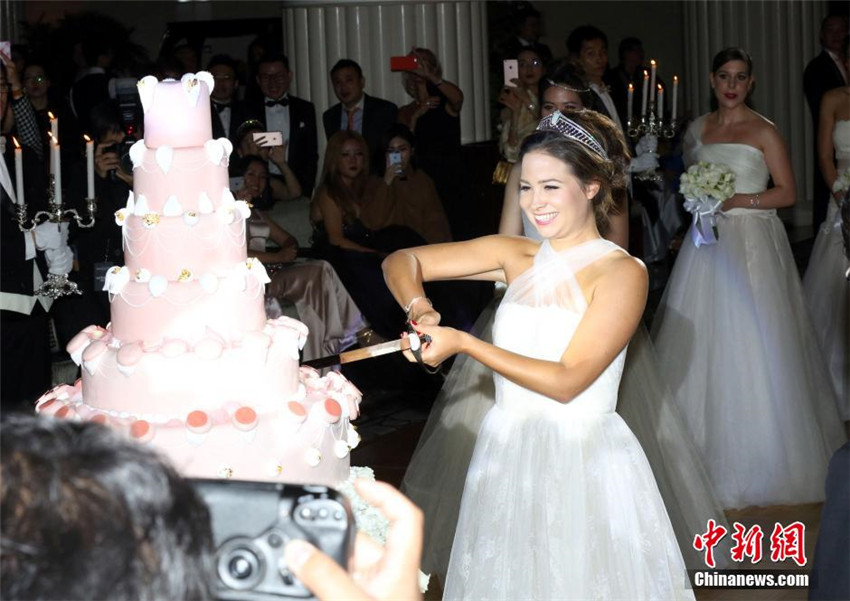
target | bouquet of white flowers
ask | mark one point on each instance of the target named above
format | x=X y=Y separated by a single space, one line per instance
x=842 y=184
x=706 y=186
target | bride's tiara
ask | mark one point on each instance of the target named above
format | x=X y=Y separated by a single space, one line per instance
x=570 y=129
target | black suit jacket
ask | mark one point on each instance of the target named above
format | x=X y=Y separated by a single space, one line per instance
x=820 y=76
x=239 y=114
x=303 y=140
x=378 y=116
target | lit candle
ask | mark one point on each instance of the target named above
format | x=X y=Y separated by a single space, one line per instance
x=54 y=126
x=675 y=96
x=645 y=92
x=631 y=101
x=19 y=171
x=52 y=157
x=57 y=175
x=653 y=66
x=660 y=103
x=89 y=167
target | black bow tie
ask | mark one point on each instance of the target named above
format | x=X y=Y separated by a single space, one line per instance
x=282 y=102
x=220 y=106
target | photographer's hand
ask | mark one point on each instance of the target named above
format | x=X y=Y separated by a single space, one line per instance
x=104 y=162
x=377 y=573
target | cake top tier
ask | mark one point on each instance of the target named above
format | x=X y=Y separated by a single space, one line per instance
x=177 y=113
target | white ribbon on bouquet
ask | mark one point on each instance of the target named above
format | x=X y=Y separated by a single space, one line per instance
x=705 y=210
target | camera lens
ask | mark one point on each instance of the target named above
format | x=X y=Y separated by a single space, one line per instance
x=240 y=565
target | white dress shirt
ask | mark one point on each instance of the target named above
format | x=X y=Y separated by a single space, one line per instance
x=277 y=119
x=606 y=99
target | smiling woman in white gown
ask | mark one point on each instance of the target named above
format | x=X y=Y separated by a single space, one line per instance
x=560 y=501
x=732 y=330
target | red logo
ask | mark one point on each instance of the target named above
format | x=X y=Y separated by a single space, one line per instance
x=747 y=543
x=788 y=542
x=707 y=541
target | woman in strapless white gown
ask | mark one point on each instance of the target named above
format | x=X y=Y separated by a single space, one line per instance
x=435 y=476
x=559 y=501
x=732 y=330
x=827 y=290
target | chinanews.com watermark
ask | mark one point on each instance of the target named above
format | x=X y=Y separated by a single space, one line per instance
x=787 y=543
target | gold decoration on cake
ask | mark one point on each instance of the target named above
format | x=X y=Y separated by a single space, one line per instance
x=226 y=473
x=185 y=275
x=121 y=216
x=142 y=275
x=150 y=220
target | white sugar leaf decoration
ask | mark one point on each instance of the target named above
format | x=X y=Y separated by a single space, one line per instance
x=215 y=152
x=172 y=207
x=191 y=218
x=192 y=88
x=115 y=280
x=147 y=89
x=243 y=208
x=164 y=155
x=227 y=145
x=205 y=205
x=141 y=207
x=209 y=282
x=157 y=285
x=131 y=201
x=227 y=198
x=137 y=153
x=207 y=78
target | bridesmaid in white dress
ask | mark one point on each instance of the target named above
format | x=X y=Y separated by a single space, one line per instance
x=437 y=470
x=827 y=290
x=560 y=501
x=732 y=330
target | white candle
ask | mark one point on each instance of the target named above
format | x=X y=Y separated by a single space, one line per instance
x=631 y=102
x=19 y=171
x=52 y=157
x=57 y=176
x=89 y=167
x=675 y=96
x=660 y=103
x=54 y=126
x=645 y=93
x=653 y=67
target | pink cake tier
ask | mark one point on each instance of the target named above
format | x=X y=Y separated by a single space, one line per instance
x=189 y=363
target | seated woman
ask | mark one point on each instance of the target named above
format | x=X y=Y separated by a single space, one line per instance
x=341 y=238
x=280 y=187
x=403 y=194
x=319 y=296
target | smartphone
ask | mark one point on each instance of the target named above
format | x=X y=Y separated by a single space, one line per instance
x=6 y=49
x=395 y=158
x=511 y=67
x=404 y=63
x=268 y=138
x=236 y=183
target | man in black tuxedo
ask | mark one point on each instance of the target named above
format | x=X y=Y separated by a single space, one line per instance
x=823 y=73
x=357 y=111
x=227 y=113
x=293 y=117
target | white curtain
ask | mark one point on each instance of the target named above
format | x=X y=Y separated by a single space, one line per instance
x=782 y=37
x=316 y=36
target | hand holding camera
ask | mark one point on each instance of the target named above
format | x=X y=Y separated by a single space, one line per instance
x=395 y=167
x=112 y=161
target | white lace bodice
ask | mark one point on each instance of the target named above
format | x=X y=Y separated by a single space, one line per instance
x=841 y=142
x=538 y=317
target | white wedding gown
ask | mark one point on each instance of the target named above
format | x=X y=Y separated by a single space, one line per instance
x=560 y=501
x=827 y=291
x=733 y=334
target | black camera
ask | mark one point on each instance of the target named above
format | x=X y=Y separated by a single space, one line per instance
x=253 y=521
x=122 y=149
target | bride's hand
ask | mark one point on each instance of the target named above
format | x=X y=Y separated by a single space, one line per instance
x=444 y=343
x=427 y=318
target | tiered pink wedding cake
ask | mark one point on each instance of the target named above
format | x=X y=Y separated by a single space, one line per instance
x=190 y=364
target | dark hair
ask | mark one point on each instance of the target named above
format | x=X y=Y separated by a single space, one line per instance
x=274 y=58
x=826 y=19
x=93 y=47
x=571 y=76
x=88 y=514
x=582 y=34
x=347 y=63
x=239 y=165
x=731 y=54
x=397 y=130
x=533 y=49
x=587 y=165
x=222 y=59
x=627 y=45
x=523 y=13
x=105 y=119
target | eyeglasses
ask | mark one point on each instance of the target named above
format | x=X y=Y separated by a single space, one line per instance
x=36 y=79
x=532 y=63
x=223 y=77
x=272 y=77
x=398 y=148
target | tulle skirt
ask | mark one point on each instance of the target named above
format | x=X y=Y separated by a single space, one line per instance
x=562 y=508
x=828 y=299
x=734 y=336
x=437 y=472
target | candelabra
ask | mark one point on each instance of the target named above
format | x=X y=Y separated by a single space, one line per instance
x=57 y=284
x=647 y=131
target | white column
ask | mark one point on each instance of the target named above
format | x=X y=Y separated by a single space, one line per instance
x=782 y=37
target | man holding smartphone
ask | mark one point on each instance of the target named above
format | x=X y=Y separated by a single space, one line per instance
x=357 y=111
x=293 y=117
